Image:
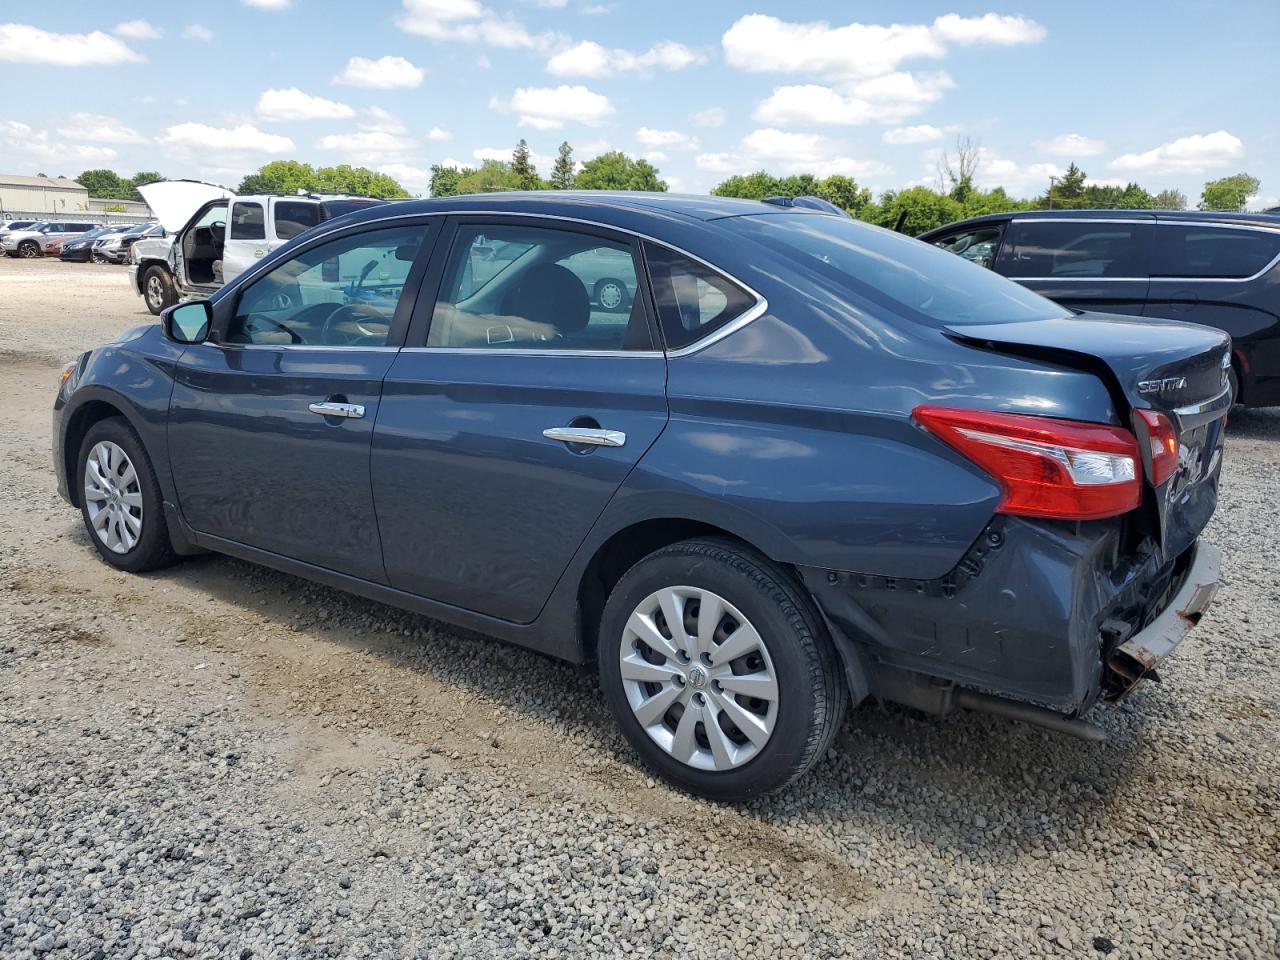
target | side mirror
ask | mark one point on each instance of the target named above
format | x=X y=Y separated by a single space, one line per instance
x=187 y=322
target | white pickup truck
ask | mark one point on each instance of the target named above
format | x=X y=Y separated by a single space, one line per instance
x=212 y=235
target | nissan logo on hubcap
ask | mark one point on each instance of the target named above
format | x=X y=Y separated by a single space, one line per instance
x=697 y=678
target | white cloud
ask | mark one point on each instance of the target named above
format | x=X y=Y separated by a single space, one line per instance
x=1263 y=202
x=438 y=134
x=20 y=139
x=666 y=138
x=590 y=59
x=98 y=129
x=138 y=30
x=553 y=4
x=711 y=117
x=549 y=108
x=655 y=156
x=20 y=43
x=1190 y=154
x=197 y=32
x=923 y=133
x=1071 y=145
x=366 y=146
x=414 y=179
x=597 y=9
x=471 y=22
x=293 y=104
x=764 y=44
x=789 y=152
x=385 y=73
x=886 y=99
x=988 y=28
x=244 y=137
x=378 y=119
x=267 y=4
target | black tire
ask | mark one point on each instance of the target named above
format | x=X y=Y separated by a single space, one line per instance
x=29 y=250
x=1233 y=381
x=601 y=293
x=810 y=682
x=153 y=548
x=157 y=289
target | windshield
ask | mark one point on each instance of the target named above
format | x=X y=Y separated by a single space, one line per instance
x=904 y=275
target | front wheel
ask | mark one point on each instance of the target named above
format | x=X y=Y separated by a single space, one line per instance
x=157 y=289
x=718 y=670
x=28 y=249
x=120 y=498
x=611 y=294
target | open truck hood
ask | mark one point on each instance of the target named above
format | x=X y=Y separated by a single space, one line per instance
x=1177 y=369
x=174 y=201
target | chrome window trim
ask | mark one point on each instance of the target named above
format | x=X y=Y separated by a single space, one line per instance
x=298 y=346
x=733 y=326
x=1168 y=223
x=536 y=352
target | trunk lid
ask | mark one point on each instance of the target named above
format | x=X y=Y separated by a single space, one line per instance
x=1178 y=369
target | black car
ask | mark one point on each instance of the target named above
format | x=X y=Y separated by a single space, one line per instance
x=80 y=250
x=1219 y=269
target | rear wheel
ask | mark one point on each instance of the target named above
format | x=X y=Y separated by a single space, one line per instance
x=157 y=289
x=120 y=499
x=718 y=670
x=1233 y=381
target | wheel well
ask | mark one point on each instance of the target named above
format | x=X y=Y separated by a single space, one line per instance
x=619 y=554
x=84 y=417
x=145 y=265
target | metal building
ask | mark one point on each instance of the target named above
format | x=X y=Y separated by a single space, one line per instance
x=55 y=196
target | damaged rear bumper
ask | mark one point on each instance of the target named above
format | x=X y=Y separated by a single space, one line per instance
x=1137 y=656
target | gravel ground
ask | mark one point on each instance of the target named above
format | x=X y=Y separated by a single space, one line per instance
x=223 y=761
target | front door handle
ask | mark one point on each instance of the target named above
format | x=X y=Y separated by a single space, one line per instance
x=591 y=436
x=329 y=408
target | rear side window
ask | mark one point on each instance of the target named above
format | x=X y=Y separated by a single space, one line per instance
x=294 y=216
x=693 y=300
x=247 y=222
x=1227 y=252
x=977 y=245
x=1070 y=249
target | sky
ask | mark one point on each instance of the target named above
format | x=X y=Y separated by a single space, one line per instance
x=1169 y=93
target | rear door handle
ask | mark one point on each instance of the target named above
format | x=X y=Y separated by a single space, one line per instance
x=329 y=408
x=588 y=435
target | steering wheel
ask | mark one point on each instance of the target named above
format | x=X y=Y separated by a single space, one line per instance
x=344 y=312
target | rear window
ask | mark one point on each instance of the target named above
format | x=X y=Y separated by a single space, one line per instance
x=901 y=274
x=1211 y=251
x=1070 y=249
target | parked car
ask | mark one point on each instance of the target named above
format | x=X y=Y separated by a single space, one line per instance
x=80 y=249
x=116 y=248
x=9 y=225
x=33 y=241
x=1219 y=269
x=211 y=236
x=815 y=462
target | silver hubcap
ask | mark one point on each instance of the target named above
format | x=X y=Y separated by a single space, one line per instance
x=154 y=291
x=113 y=497
x=610 y=296
x=699 y=678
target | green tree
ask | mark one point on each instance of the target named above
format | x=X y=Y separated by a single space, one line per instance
x=1069 y=189
x=280 y=177
x=616 y=171
x=844 y=192
x=522 y=166
x=1229 y=193
x=105 y=184
x=493 y=176
x=1170 y=200
x=925 y=209
x=359 y=182
x=445 y=180
x=752 y=186
x=562 y=172
x=146 y=176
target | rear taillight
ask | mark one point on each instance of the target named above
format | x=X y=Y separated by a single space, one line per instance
x=1162 y=440
x=1063 y=469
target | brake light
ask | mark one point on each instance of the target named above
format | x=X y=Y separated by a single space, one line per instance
x=1163 y=445
x=1062 y=469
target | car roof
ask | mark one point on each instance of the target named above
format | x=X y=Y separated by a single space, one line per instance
x=582 y=203
x=1202 y=216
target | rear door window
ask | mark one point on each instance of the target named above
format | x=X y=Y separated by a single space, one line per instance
x=294 y=217
x=1075 y=249
x=1187 y=250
